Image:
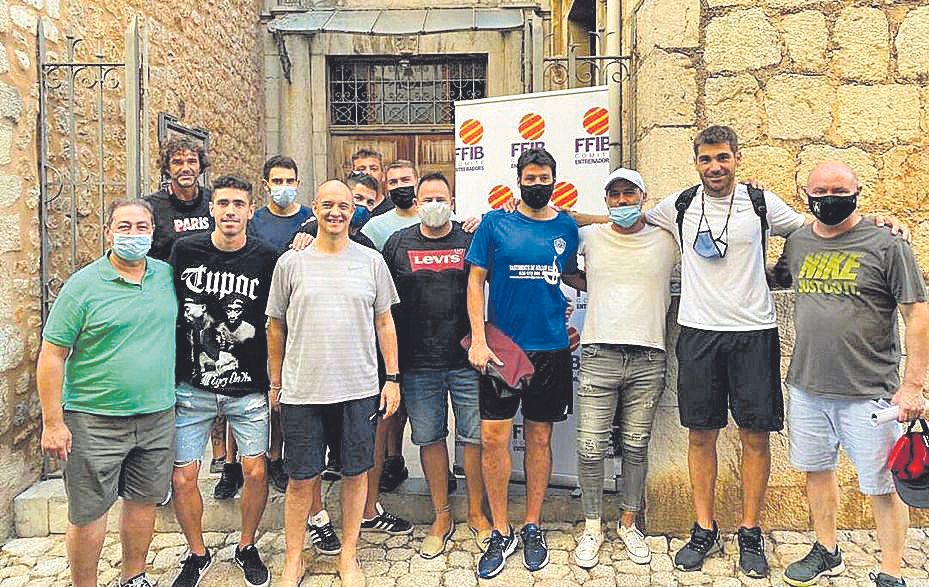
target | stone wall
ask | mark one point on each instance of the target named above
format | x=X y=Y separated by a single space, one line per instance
x=801 y=81
x=205 y=69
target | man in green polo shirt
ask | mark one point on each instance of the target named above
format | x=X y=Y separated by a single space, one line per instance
x=106 y=382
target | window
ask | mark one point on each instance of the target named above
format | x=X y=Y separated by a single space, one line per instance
x=393 y=91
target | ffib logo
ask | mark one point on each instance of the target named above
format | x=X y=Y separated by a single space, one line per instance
x=597 y=121
x=471 y=156
x=498 y=196
x=531 y=127
x=593 y=148
x=564 y=195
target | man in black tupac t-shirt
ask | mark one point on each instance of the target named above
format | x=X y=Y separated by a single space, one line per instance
x=182 y=208
x=427 y=261
x=222 y=279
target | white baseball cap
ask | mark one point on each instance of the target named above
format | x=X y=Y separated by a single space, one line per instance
x=629 y=175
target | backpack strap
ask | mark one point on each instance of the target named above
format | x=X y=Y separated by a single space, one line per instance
x=681 y=204
x=761 y=210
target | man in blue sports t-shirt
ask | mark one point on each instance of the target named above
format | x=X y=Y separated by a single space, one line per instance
x=524 y=254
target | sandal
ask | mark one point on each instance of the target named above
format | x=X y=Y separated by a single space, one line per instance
x=434 y=546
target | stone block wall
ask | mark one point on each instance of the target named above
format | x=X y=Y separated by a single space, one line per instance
x=801 y=81
x=205 y=69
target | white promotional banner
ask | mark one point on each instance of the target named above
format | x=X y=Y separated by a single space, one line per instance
x=491 y=134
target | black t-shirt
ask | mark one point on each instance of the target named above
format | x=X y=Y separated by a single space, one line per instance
x=386 y=205
x=222 y=297
x=178 y=218
x=432 y=279
x=311 y=227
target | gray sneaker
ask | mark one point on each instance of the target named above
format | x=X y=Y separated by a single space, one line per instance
x=138 y=581
x=819 y=562
x=885 y=580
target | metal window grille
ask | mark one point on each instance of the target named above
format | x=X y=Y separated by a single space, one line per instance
x=402 y=91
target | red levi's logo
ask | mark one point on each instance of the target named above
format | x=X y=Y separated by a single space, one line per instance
x=440 y=260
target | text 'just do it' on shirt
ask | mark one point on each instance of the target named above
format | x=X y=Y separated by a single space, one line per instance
x=525 y=259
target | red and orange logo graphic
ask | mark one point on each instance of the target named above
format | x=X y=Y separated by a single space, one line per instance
x=564 y=195
x=471 y=131
x=531 y=127
x=597 y=121
x=499 y=195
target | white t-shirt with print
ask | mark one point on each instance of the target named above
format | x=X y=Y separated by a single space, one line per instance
x=731 y=293
x=628 y=287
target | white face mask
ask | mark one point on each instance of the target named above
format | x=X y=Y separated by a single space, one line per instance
x=435 y=214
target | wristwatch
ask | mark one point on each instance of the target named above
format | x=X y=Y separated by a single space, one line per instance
x=393 y=377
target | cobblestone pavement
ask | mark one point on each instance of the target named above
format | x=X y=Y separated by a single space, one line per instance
x=394 y=562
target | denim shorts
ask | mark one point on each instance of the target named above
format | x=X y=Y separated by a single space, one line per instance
x=304 y=428
x=819 y=426
x=196 y=409
x=425 y=394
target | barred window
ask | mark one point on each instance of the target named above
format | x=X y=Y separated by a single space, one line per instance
x=402 y=91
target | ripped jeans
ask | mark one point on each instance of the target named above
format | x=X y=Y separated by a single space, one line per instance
x=632 y=376
x=195 y=411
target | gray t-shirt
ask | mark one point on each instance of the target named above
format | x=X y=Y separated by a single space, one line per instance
x=329 y=303
x=847 y=291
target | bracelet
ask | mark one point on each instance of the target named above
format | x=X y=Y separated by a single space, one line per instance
x=275 y=386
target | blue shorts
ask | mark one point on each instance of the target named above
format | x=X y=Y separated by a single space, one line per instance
x=425 y=394
x=195 y=411
x=818 y=426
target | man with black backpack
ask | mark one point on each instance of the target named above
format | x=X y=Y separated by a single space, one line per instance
x=728 y=350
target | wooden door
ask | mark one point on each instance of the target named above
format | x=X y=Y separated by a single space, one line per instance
x=428 y=152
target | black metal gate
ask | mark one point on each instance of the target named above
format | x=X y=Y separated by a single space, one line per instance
x=92 y=125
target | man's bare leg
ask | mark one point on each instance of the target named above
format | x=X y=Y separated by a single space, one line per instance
x=84 y=544
x=136 y=524
x=188 y=505
x=475 y=480
x=893 y=519
x=701 y=460
x=822 y=492
x=496 y=467
x=254 y=497
x=373 y=477
x=756 y=469
x=354 y=490
x=537 y=462
x=435 y=466
x=296 y=509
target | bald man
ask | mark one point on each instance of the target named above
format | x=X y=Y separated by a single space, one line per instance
x=850 y=279
x=326 y=304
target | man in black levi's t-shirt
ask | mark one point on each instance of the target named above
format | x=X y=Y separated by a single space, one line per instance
x=222 y=279
x=427 y=262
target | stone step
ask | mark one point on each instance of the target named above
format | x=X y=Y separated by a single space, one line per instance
x=43 y=509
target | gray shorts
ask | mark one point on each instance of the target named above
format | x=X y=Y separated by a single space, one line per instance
x=126 y=456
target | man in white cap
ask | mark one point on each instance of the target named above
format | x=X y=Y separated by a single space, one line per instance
x=628 y=266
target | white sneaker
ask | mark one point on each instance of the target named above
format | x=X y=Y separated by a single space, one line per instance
x=634 y=540
x=587 y=553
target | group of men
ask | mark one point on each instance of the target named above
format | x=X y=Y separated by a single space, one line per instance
x=379 y=298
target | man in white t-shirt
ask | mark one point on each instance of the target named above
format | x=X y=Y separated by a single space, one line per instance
x=728 y=350
x=628 y=266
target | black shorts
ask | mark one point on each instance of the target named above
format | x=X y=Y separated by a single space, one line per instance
x=304 y=437
x=740 y=371
x=548 y=397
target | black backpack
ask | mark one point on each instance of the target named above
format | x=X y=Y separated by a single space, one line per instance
x=761 y=210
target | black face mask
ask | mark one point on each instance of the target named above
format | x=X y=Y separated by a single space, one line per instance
x=403 y=197
x=536 y=196
x=832 y=210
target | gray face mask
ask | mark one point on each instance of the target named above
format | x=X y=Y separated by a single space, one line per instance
x=435 y=214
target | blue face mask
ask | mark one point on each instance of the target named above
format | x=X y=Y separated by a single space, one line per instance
x=131 y=247
x=708 y=247
x=625 y=216
x=360 y=216
x=283 y=196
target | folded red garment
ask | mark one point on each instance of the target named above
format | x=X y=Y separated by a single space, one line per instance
x=517 y=369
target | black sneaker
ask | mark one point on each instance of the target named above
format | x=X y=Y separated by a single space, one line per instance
x=885 y=580
x=819 y=562
x=216 y=465
x=752 y=558
x=535 y=551
x=255 y=571
x=139 y=580
x=394 y=473
x=192 y=569
x=702 y=544
x=323 y=534
x=385 y=521
x=277 y=475
x=230 y=482
x=333 y=470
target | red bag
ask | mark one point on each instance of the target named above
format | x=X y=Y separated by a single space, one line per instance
x=909 y=458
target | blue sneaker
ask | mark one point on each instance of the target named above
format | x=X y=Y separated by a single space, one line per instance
x=535 y=551
x=498 y=549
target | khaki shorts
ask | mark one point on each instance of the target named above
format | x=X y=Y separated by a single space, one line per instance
x=117 y=456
